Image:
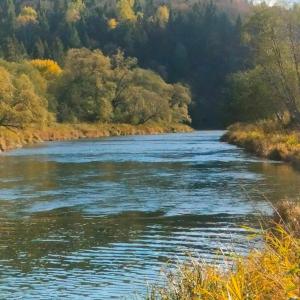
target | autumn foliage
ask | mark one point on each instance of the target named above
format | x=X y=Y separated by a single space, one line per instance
x=197 y=42
x=90 y=88
x=27 y=16
x=48 y=68
x=112 y=23
x=21 y=102
x=270 y=273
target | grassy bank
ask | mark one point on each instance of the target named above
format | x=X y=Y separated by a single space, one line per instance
x=272 y=273
x=12 y=139
x=267 y=140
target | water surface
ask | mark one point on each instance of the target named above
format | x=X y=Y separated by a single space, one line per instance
x=98 y=219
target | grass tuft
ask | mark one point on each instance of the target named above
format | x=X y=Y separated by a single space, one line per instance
x=272 y=273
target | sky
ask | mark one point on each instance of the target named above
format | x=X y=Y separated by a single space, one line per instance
x=272 y=2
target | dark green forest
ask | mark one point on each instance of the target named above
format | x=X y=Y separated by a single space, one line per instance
x=224 y=61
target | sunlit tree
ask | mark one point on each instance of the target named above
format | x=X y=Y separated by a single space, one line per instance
x=48 y=68
x=85 y=91
x=125 y=10
x=112 y=23
x=74 y=10
x=28 y=15
x=273 y=35
x=20 y=105
x=162 y=15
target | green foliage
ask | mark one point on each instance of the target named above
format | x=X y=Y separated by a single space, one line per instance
x=251 y=97
x=20 y=103
x=273 y=86
x=180 y=101
x=193 y=42
x=85 y=89
x=97 y=88
x=144 y=98
x=91 y=87
x=241 y=61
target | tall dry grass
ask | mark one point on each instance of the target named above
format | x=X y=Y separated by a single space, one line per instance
x=271 y=273
x=267 y=139
x=287 y=215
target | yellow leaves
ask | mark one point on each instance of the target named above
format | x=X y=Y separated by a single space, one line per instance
x=270 y=273
x=6 y=85
x=292 y=140
x=112 y=23
x=75 y=8
x=21 y=101
x=47 y=67
x=125 y=11
x=28 y=107
x=235 y=286
x=162 y=15
x=28 y=15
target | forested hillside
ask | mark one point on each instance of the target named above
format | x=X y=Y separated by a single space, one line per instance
x=228 y=60
x=195 y=42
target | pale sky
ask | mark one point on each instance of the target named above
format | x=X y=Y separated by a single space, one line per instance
x=272 y=2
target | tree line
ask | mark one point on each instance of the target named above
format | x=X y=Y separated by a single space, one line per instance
x=270 y=87
x=195 y=42
x=90 y=88
x=226 y=60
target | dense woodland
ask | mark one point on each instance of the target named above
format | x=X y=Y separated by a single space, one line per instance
x=212 y=62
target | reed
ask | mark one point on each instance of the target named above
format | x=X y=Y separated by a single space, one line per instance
x=271 y=273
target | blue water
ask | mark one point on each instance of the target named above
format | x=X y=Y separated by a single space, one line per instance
x=99 y=219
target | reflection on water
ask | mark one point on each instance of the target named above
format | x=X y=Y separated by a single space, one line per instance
x=99 y=219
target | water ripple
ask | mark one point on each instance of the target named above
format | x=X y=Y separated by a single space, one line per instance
x=100 y=219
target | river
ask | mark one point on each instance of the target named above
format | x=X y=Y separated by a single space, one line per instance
x=99 y=219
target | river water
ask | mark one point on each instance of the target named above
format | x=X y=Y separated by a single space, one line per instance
x=99 y=219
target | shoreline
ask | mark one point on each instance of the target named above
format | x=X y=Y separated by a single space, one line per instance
x=11 y=139
x=278 y=145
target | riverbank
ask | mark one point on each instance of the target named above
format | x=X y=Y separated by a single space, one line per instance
x=266 y=141
x=269 y=273
x=16 y=138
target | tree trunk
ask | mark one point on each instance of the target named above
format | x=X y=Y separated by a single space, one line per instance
x=290 y=99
